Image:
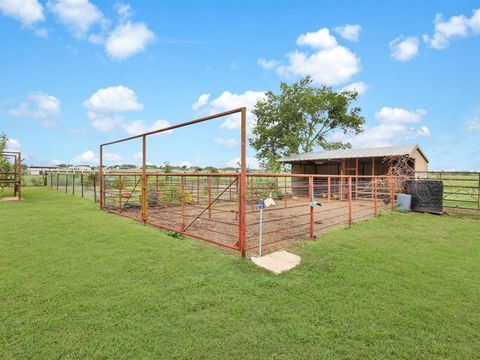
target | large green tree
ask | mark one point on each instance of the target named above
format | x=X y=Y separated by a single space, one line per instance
x=301 y=118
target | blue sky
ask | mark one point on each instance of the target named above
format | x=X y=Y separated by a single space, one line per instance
x=76 y=73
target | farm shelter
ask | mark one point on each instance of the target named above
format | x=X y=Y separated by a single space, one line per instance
x=359 y=161
x=221 y=207
x=11 y=176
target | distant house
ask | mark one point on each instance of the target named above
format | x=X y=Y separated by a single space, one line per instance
x=359 y=161
x=41 y=170
x=81 y=168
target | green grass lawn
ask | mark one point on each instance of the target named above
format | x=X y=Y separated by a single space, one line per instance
x=76 y=282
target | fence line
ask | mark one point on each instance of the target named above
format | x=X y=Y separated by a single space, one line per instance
x=460 y=189
x=82 y=184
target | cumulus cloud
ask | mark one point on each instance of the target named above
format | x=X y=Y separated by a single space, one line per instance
x=404 y=49
x=327 y=62
x=86 y=158
x=79 y=16
x=106 y=104
x=227 y=101
x=229 y=143
x=360 y=87
x=113 y=99
x=202 y=101
x=399 y=115
x=139 y=126
x=395 y=125
x=40 y=106
x=128 y=39
x=13 y=145
x=320 y=39
x=28 y=12
x=267 y=64
x=349 y=32
x=455 y=26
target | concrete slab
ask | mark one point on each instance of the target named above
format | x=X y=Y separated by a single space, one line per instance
x=278 y=261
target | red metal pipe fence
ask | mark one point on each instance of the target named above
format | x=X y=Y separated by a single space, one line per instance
x=208 y=206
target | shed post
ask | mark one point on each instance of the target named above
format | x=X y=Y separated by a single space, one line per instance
x=349 y=201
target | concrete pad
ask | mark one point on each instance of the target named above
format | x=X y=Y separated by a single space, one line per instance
x=278 y=261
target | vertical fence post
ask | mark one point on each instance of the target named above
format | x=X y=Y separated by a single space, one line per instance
x=311 y=195
x=392 y=194
x=478 y=192
x=252 y=192
x=66 y=182
x=349 y=201
x=375 y=205
x=285 y=194
x=242 y=224
x=156 y=188
x=73 y=184
x=95 y=188
x=100 y=174
x=182 y=200
x=198 y=190
x=329 y=192
x=144 y=179
x=58 y=176
x=119 y=193
x=209 y=180
x=81 y=182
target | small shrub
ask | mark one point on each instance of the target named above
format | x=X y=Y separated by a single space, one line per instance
x=176 y=235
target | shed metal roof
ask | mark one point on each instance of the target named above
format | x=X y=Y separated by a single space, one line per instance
x=354 y=153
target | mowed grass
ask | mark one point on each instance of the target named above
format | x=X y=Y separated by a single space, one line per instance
x=76 y=282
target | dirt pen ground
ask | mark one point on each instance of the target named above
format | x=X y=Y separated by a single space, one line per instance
x=282 y=225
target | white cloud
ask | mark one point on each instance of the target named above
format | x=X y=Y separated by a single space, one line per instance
x=28 y=12
x=394 y=127
x=86 y=158
x=128 y=39
x=404 y=49
x=328 y=63
x=229 y=143
x=349 y=32
x=252 y=163
x=139 y=126
x=113 y=99
x=124 y=11
x=105 y=104
x=77 y=15
x=112 y=158
x=423 y=131
x=267 y=64
x=320 y=39
x=473 y=125
x=104 y=122
x=41 y=33
x=455 y=26
x=202 y=100
x=360 y=87
x=40 y=106
x=228 y=101
x=91 y=158
x=13 y=145
x=399 y=115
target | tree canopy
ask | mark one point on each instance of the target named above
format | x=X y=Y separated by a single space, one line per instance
x=301 y=118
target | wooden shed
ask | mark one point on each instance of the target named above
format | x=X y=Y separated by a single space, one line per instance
x=358 y=161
